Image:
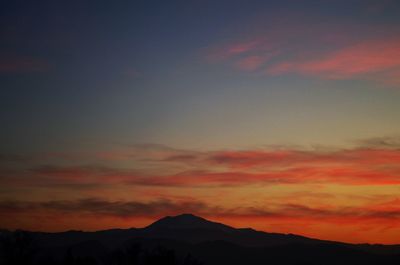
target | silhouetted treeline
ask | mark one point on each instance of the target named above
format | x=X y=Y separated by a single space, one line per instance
x=19 y=248
x=78 y=248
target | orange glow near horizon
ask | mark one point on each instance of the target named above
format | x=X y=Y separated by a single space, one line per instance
x=348 y=195
x=355 y=230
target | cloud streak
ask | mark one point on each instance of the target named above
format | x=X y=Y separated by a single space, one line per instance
x=322 y=50
x=374 y=164
x=377 y=57
x=101 y=207
x=161 y=207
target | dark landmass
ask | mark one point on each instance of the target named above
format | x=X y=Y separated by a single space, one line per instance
x=185 y=240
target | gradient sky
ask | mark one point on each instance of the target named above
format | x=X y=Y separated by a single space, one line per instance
x=283 y=116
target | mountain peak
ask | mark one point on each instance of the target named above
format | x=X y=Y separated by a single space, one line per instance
x=187 y=221
x=187 y=216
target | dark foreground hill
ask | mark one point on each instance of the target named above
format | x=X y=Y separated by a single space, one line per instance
x=185 y=239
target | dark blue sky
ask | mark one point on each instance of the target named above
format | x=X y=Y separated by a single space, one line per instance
x=140 y=71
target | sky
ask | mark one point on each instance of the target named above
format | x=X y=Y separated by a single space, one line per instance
x=282 y=115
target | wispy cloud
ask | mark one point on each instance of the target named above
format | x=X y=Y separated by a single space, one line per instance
x=317 y=187
x=388 y=142
x=377 y=58
x=324 y=50
x=252 y=62
x=95 y=206
x=23 y=65
x=161 y=207
x=376 y=162
x=215 y=54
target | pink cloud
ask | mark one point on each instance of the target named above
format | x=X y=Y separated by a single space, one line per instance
x=241 y=47
x=359 y=60
x=322 y=50
x=254 y=62
x=230 y=50
x=23 y=65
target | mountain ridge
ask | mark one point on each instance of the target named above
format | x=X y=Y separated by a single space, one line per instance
x=215 y=243
x=188 y=221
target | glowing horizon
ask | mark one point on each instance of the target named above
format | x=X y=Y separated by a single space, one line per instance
x=276 y=115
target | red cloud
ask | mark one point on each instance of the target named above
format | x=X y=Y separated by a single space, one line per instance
x=359 y=166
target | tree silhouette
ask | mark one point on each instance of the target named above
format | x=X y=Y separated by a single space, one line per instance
x=160 y=256
x=126 y=256
x=190 y=260
x=17 y=248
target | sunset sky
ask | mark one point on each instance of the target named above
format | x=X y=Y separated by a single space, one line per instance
x=283 y=116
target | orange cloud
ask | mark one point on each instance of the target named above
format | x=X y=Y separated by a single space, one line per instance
x=180 y=168
x=321 y=189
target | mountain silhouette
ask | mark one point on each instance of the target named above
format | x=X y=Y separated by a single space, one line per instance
x=211 y=242
x=188 y=221
x=194 y=229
